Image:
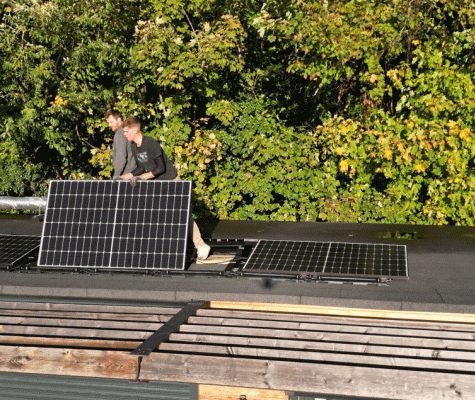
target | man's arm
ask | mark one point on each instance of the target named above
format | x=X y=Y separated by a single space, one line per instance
x=136 y=172
x=160 y=166
x=159 y=170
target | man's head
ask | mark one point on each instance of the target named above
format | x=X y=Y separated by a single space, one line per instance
x=114 y=119
x=131 y=128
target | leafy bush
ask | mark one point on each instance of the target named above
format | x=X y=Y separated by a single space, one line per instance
x=339 y=111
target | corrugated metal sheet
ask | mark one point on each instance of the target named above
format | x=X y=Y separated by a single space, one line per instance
x=51 y=387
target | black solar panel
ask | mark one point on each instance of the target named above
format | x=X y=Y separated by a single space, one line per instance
x=15 y=247
x=321 y=258
x=106 y=224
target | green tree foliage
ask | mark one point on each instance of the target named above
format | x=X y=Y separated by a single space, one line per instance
x=357 y=110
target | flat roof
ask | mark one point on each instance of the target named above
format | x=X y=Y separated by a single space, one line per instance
x=440 y=260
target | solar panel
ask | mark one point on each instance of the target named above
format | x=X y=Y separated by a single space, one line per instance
x=329 y=258
x=15 y=247
x=107 y=224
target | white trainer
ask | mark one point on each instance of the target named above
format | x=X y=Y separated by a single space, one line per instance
x=203 y=251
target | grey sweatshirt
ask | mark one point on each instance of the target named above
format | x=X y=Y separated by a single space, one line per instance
x=122 y=159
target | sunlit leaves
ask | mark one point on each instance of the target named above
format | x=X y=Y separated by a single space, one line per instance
x=355 y=110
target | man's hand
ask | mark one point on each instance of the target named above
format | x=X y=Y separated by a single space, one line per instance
x=127 y=177
x=134 y=179
x=148 y=175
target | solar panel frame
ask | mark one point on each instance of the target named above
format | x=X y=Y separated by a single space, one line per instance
x=329 y=258
x=13 y=248
x=112 y=225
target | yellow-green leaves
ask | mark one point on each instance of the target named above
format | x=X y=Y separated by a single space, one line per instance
x=339 y=110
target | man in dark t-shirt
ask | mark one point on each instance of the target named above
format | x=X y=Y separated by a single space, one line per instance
x=151 y=157
x=153 y=163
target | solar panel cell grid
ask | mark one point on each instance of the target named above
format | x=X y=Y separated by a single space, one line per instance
x=105 y=224
x=15 y=247
x=329 y=258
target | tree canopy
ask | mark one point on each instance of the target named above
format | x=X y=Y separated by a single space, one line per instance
x=340 y=110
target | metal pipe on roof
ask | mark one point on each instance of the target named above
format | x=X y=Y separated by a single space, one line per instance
x=22 y=203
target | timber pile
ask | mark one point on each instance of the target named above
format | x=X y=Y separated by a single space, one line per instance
x=354 y=356
x=75 y=339
x=300 y=349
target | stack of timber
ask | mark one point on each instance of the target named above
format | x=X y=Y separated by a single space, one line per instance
x=327 y=351
x=298 y=350
x=75 y=339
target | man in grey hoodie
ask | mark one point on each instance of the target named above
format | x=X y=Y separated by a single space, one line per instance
x=122 y=159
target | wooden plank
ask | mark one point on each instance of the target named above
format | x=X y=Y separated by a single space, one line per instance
x=333 y=337
x=73 y=332
x=67 y=342
x=209 y=392
x=73 y=323
x=121 y=309
x=77 y=362
x=318 y=327
x=347 y=312
x=87 y=315
x=360 y=321
x=307 y=377
x=362 y=359
x=355 y=348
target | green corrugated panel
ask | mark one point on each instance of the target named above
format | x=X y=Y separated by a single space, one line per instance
x=17 y=386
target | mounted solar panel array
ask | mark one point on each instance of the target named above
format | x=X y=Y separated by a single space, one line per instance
x=107 y=224
x=13 y=248
x=329 y=258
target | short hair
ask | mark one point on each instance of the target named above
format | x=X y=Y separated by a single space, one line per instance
x=131 y=122
x=116 y=114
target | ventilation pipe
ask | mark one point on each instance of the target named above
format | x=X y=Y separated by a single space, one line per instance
x=22 y=203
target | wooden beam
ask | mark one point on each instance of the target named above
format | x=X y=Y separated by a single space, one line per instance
x=209 y=392
x=87 y=315
x=113 y=334
x=329 y=319
x=66 y=342
x=307 y=377
x=342 y=327
x=380 y=361
x=122 y=309
x=346 y=312
x=85 y=323
x=305 y=345
x=54 y=361
x=435 y=343
x=80 y=323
